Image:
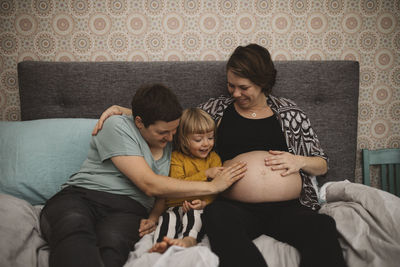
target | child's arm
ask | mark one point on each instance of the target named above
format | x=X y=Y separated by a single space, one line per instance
x=149 y=225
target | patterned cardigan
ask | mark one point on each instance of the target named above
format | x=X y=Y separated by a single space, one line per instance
x=300 y=137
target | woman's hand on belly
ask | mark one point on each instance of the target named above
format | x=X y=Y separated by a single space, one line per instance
x=289 y=163
x=261 y=183
x=282 y=160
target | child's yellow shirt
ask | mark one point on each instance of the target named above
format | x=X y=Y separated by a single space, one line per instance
x=191 y=169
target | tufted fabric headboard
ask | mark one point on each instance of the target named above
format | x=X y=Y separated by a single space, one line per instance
x=326 y=90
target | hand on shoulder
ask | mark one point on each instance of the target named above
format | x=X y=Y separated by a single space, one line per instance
x=113 y=110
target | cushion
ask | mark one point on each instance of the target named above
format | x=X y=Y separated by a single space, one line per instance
x=38 y=156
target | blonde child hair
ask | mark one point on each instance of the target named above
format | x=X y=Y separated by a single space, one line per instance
x=193 y=121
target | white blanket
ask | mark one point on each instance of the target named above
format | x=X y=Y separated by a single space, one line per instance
x=367 y=219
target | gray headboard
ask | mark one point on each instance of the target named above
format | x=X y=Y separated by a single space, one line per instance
x=326 y=90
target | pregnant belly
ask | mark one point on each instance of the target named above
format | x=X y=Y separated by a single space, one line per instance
x=260 y=183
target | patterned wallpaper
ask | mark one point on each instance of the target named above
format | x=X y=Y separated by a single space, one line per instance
x=150 y=30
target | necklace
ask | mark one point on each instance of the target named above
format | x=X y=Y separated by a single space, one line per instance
x=254 y=114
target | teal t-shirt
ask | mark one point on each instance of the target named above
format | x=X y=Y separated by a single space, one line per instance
x=118 y=137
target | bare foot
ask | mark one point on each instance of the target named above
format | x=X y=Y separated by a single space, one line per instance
x=160 y=247
x=185 y=242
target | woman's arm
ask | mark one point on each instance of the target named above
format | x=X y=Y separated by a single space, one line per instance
x=281 y=160
x=310 y=157
x=161 y=186
x=314 y=165
x=177 y=170
x=212 y=107
x=113 y=110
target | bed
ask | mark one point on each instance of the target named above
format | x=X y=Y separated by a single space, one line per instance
x=66 y=97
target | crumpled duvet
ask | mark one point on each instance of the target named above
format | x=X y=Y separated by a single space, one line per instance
x=368 y=221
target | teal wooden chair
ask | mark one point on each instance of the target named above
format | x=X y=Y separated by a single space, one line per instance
x=389 y=161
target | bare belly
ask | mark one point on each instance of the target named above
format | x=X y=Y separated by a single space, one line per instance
x=260 y=183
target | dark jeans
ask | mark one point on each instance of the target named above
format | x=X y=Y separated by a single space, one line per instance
x=231 y=226
x=90 y=228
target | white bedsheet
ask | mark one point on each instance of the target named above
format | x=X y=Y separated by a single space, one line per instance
x=367 y=219
x=198 y=256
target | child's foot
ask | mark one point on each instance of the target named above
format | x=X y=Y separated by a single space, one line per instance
x=185 y=242
x=162 y=246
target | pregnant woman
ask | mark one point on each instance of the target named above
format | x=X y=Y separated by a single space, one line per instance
x=276 y=197
x=283 y=154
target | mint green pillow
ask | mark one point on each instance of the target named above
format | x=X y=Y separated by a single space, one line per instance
x=38 y=156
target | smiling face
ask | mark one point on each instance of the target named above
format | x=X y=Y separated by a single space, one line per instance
x=158 y=134
x=200 y=144
x=246 y=93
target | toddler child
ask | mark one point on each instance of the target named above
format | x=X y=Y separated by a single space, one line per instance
x=179 y=220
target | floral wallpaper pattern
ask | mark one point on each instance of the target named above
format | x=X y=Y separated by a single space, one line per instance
x=153 y=30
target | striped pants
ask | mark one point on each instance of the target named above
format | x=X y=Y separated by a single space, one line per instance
x=174 y=223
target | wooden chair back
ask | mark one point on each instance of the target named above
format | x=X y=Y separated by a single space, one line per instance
x=389 y=161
